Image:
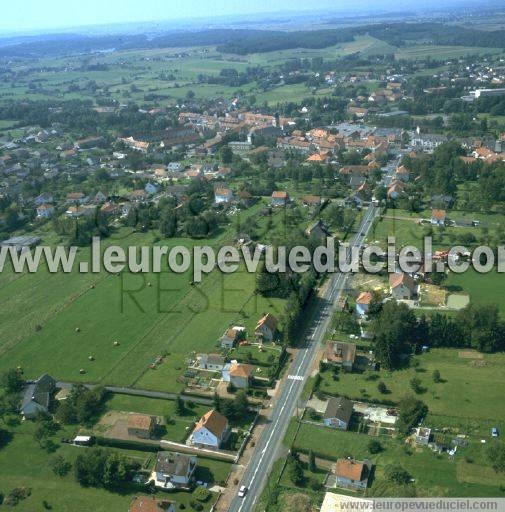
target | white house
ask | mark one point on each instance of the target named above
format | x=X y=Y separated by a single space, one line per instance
x=151 y=189
x=37 y=396
x=45 y=211
x=266 y=328
x=175 y=167
x=403 y=287
x=174 y=470
x=211 y=431
x=211 y=362
x=223 y=195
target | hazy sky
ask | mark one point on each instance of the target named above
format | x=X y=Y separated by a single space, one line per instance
x=23 y=15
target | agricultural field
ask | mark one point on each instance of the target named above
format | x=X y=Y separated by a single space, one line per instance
x=54 y=322
x=435 y=52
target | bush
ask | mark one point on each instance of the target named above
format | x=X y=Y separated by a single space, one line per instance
x=381 y=386
x=195 y=505
x=374 y=447
x=397 y=475
x=201 y=494
x=16 y=495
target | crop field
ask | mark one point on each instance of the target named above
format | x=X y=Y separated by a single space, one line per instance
x=441 y=52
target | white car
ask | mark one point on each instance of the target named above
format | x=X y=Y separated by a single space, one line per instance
x=242 y=491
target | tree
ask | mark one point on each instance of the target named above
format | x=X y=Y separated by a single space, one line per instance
x=97 y=467
x=312 y=462
x=381 y=386
x=226 y=155
x=60 y=466
x=374 y=446
x=436 y=376
x=411 y=412
x=415 y=384
x=295 y=471
x=397 y=474
x=12 y=381
x=179 y=406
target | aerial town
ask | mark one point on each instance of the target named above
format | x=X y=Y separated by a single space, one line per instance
x=147 y=391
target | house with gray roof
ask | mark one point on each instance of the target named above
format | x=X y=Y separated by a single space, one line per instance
x=37 y=397
x=338 y=413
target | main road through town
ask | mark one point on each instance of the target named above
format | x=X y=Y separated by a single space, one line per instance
x=268 y=445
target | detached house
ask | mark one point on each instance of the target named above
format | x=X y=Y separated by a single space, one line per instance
x=238 y=375
x=403 y=287
x=37 y=397
x=44 y=198
x=266 y=328
x=140 y=425
x=174 y=470
x=338 y=413
x=340 y=353
x=211 y=431
x=352 y=474
x=232 y=336
x=45 y=211
x=211 y=362
x=223 y=195
x=363 y=303
x=438 y=217
x=279 y=198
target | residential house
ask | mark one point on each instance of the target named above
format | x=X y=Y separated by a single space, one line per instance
x=311 y=201
x=232 y=336
x=44 y=198
x=211 y=362
x=396 y=190
x=238 y=375
x=427 y=142
x=100 y=197
x=76 y=198
x=402 y=173
x=174 y=470
x=363 y=303
x=318 y=230
x=223 y=195
x=139 y=195
x=45 y=211
x=340 y=353
x=151 y=504
x=74 y=212
x=175 y=167
x=211 y=431
x=352 y=474
x=403 y=287
x=140 y=425
x=37 y=396
x=438 y=217
x=422 y=435
x=151 y=188
x=279 y=198
x=266 y=328
x=338 y=413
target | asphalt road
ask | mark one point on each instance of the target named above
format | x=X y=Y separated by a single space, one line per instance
x=268 y=445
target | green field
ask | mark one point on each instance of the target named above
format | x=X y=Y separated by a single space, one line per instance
x=434 y=475
x=149 y=315
x=23 y=463
x=471 y=389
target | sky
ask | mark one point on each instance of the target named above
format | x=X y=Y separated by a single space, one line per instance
x=25 y=15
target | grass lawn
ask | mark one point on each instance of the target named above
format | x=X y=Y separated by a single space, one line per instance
x=473 y=388
x=23 y=463
x=434 y=475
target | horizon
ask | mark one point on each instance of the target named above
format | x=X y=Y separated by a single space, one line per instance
x=57 y=15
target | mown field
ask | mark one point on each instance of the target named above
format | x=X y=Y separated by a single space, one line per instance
x=148 y=314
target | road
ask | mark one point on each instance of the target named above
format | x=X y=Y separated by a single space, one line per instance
x=268 y=445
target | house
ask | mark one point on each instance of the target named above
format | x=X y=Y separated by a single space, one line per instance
x=396 y=190
x=352 y=474
x=311 y=201
x=100 y=197
x=151 y=189
x=438 y=217
x=175 y=167
x=238 y=375
x=232 y=336
x=211 y=431
x=340 y=353
x=37 y=396
x=422 y=435
x=44 y=198
x=174 y=470
x=279 y=198
x=402 y=173
x=151 y=504
x=45 y=211
x=363 y=303
x=338 y=413
x=139 y=195
x=318 y=230
x=76 y=198
x=403 y=287
x=266 y=328
x=140 y=425
x=211 y=362
x=74 y=212
x=223 y=195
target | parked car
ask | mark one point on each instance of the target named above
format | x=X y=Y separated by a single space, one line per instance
x=494 y=432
